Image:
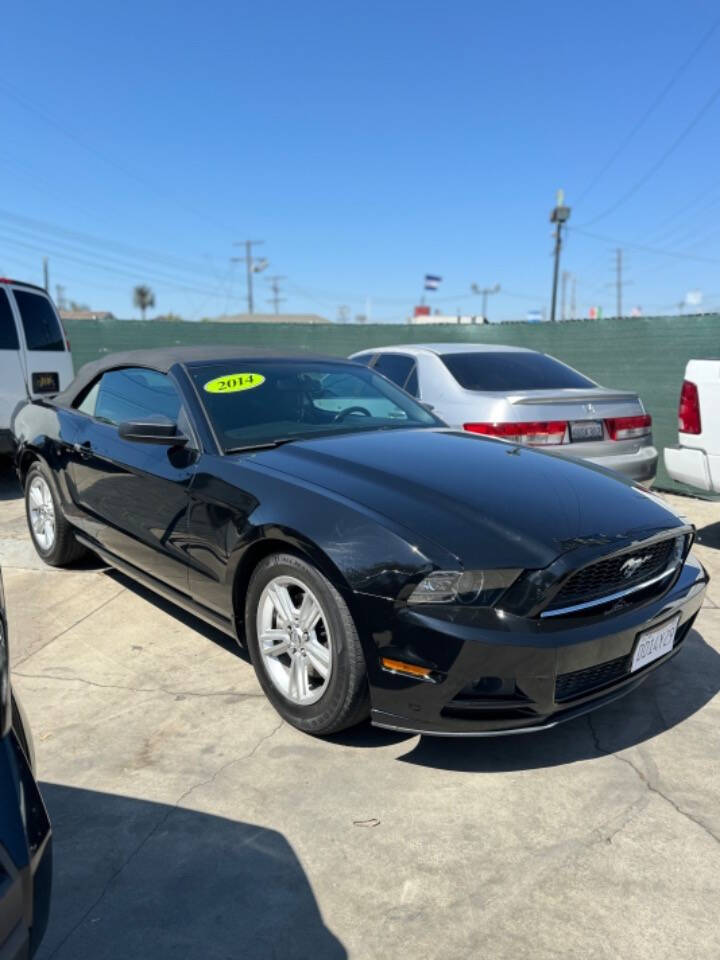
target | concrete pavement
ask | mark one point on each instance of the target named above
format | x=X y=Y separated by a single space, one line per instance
x=191 y=822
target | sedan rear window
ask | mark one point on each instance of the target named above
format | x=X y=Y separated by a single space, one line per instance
x=507 y=372
x=42 y=330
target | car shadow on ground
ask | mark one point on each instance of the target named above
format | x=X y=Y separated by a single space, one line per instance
x=139 y=879
x=669 y=695
x=183 y=616
x=10 y=488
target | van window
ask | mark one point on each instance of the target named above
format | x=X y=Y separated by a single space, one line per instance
x=42 y=330
x=8 y=333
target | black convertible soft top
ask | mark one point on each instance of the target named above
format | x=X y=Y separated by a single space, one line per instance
x=164 y=358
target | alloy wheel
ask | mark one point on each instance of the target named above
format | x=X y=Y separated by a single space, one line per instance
x=294 y=640
x=42 y=513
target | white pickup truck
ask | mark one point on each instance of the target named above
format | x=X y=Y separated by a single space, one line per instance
x=696 y=459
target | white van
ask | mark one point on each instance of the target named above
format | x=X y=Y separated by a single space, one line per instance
x=35 y=355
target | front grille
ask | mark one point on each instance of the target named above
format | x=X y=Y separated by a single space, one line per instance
x=614 y=575
x=575 y=684
x=569 y=685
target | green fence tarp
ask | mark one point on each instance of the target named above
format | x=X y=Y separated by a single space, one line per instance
x=647 y=355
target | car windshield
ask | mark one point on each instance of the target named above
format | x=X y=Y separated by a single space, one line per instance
x=260 y=403
x=507 y=372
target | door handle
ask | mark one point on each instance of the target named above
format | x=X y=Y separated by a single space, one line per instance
x=83 y=449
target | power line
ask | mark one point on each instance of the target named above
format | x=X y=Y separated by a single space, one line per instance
x=648 y=113
x=639 y=246
x=14 y=94
x=653 y=169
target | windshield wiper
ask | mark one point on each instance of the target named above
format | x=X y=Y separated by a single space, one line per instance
x=265 y=445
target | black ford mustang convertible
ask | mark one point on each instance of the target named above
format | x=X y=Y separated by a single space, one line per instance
x=372 y=560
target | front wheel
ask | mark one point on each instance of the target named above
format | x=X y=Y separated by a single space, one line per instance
x=304 y=646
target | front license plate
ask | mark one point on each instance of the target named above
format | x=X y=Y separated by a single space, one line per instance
x=654 y=644
x=45 y=383
x=586 y=430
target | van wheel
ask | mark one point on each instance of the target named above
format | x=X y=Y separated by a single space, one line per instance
x=51 y=534
x=304 y=646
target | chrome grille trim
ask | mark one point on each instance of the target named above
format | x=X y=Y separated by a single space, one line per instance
x=599 y=601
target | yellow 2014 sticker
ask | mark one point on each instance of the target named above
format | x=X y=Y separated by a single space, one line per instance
x=234 y=383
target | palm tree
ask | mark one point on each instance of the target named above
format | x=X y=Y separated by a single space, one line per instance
x=143 y=297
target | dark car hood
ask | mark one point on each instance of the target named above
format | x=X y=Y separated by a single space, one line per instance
x=476 y=497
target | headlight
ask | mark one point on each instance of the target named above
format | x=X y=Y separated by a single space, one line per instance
x=5 y=712
x=481 y=587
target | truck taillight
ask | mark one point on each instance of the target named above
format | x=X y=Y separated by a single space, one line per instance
x=535 y=433
x=689 y=409
x=627 y=428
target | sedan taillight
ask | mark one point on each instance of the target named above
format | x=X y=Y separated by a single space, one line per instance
x=689 y=409
x=535 y=433
x=627 y=428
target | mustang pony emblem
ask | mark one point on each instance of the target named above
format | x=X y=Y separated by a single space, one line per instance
x=632 y=564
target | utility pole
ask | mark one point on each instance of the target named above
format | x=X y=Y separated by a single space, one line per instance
x=46 y=275
x=573 y=314
x=559 y=216
x=484 y=292
x=618 y=280
x=275 y=299
x=563 y=294
x=252 y=265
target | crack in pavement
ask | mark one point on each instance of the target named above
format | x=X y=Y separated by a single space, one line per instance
x=651 y=787
x=151 y=833
x=195 y=694
x=71 y=627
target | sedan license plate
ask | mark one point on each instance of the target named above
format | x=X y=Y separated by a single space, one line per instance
x=586 y=430
x=45 y=383
x=654 y=644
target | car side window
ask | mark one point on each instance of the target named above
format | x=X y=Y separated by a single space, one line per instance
x=42 y=330
x=8 y=331
x=411 y=384
x=365 y=358
x=131 y=394
x=394 y=366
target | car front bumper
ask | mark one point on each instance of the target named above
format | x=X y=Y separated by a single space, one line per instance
x=502 y=674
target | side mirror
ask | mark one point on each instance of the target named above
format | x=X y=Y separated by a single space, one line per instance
x=428 y=406
x=160 y=430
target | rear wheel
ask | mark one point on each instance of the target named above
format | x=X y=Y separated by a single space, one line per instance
x=51 y=534
x=304 y=646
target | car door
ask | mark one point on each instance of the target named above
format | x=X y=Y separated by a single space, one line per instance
x=133 y=497
x=12 y=377
x=46 y=356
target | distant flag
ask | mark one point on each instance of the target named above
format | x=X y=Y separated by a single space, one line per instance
x=432 y=282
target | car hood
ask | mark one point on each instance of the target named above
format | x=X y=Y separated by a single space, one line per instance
x=484 y=500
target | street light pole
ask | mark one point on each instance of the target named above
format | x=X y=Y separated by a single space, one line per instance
x=559 y=216
x=484 y=292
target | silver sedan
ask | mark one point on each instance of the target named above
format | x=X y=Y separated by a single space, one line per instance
x=526 y=397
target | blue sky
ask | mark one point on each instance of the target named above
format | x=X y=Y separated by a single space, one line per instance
x=366 y=143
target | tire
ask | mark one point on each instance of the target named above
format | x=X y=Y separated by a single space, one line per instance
x=51 y=534
x=320 y=705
